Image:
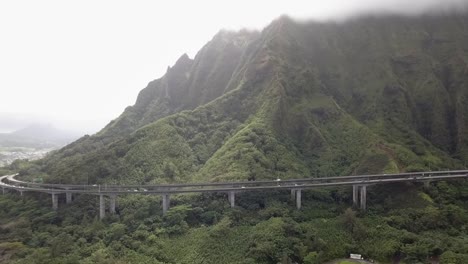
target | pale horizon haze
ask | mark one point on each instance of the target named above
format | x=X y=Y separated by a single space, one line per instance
x=79 y=64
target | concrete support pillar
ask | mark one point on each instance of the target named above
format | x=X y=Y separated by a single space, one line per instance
x=69 y=197
x=112 y=202
x=293 y=194
x=3 y=191
x=363 y=197
x=21 y=193
x=355 y=195
x=427 y=184
x=102 y=206
x=54 y=201
x=166 y=203
x=232 y=198
x=298 y=198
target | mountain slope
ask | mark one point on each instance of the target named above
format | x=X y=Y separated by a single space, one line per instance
x=296 y=100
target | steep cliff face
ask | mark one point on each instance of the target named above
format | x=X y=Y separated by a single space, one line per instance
x=390 y=72
x=188 y=84
x=185 y=86
x=296 y=100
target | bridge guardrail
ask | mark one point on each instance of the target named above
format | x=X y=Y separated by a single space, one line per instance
x=427 y=174
x=232 y=186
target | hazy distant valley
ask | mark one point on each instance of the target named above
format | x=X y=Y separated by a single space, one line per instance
x=8 y=155
x=32 y=142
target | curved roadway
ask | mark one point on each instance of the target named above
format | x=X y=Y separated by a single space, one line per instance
x=359 y=183
x=9 y=182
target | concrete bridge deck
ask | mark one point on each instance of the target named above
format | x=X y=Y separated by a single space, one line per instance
x=359 y=183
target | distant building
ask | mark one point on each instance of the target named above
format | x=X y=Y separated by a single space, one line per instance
x=355 y=256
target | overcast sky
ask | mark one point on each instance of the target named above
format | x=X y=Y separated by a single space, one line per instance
x=80 y=63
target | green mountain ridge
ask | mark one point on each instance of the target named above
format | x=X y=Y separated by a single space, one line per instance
x=372 y=95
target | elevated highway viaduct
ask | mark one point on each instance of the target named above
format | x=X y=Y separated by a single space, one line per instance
x=359 y=183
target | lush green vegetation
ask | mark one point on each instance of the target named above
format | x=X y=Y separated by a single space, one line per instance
x=295 y=100
x=374 y=95
x=263 y=228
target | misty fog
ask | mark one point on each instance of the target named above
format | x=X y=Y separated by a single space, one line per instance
x=79 y=74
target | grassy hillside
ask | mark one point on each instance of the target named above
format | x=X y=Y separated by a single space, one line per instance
x=372 y=95
x=296 y=100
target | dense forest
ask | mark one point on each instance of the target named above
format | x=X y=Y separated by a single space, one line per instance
x=406 y=222
x=369 y=95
